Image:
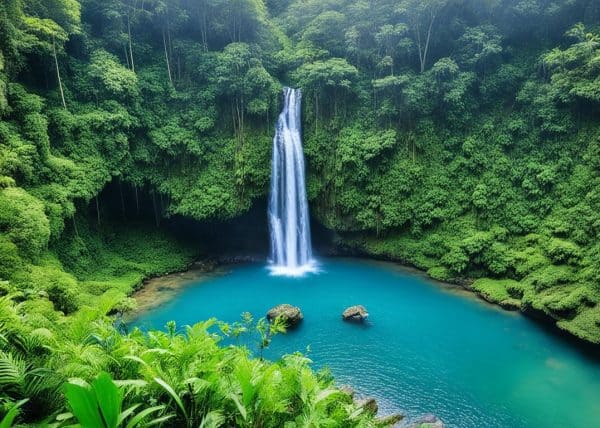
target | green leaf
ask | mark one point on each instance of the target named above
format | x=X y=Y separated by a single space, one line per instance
x=84 y=405
x=142 y=415
x=212 y=419
x=109 y=399
x=159 y=421
x=239 y=405
x=8 y=419
x=126 y=413
x=173 y=394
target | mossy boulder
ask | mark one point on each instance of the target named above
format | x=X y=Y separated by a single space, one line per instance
x=292 y=315
x=348 y=390
x=369 y=405
x=355 y=313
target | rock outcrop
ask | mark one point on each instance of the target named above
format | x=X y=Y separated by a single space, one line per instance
x=428 y=421
x=355 y=313
x=292 y=315
x=347 y=389
x=369 y=405
x=390 y=420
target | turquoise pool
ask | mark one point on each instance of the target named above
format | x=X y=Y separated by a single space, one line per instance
x=426 y=349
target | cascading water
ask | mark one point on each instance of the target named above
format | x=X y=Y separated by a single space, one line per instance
x=291 y=252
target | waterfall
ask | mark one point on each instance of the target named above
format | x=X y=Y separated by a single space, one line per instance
x=291 y=252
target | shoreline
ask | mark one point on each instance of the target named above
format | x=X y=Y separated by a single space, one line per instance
x=543 y=320
x=155 y=290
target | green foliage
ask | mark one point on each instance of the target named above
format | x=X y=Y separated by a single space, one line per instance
x=110 y=79
x=10 y=261
x=561 y=251
x=455 y=137
x=100 y=405
x=23 y=220
x=7 y=420
x=496 y=291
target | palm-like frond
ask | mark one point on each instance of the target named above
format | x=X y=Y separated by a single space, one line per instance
x=12 y=372
x=20 y=380
x=213 y=419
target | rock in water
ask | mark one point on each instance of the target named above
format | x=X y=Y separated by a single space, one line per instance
x=369 y=405
x=347 y=389
x=355 y=313
x=428 y=421
x=292 y=315
x=390 y=420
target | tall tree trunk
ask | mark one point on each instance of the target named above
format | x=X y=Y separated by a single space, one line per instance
x=167 y=57
x=97 y=210
x=126 y=57
x=429 y=30
x=137 y=201
x=418 y=37
x=62 y=94
x=203 y=29
x=130 y=43
x=75 y=226
x=161 y=204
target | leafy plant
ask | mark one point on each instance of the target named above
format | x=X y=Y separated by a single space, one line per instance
x=100 y=405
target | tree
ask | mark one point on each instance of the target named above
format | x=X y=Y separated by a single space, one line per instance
x=110 y=79
x=388 y=38
x=422 y=16
x=114 y=20
x=248 y=87
x=326 y=80
x=480 y=46
x=573 y=71
x=49 y=25
x=324 y=32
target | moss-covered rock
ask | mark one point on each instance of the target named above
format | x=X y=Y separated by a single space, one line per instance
x=291 y=315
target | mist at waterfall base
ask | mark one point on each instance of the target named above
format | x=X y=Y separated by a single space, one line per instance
x=289 y=222
x=426 y=348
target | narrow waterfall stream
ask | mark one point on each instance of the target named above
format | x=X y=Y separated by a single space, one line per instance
x=291 y=252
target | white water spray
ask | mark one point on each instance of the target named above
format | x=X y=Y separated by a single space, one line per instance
x=291 y=252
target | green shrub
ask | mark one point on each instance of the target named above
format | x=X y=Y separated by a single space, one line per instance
x=440 y=273
x=562 y=251
x=456 y=259
x=550 y=276
x=63 y=298
x=493 y=290
x=497 y=258
x=10 y=261
x=24 y=222
x=569 y=300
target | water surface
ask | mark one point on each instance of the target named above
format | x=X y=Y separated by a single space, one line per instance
x=426 y=349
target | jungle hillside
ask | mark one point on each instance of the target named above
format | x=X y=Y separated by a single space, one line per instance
x=461 y=137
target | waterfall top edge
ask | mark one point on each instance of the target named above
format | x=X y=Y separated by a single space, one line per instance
x=296 y=272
